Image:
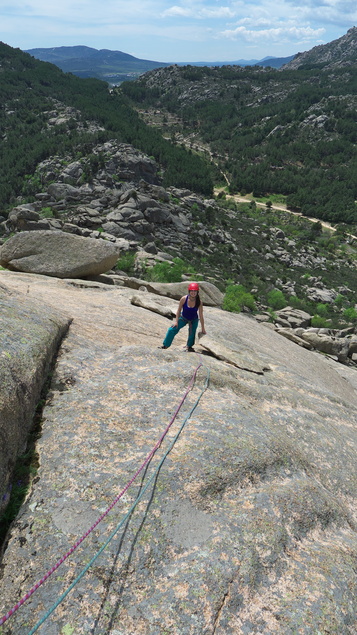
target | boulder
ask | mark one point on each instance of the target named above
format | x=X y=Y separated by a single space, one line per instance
x=294 y=337
x=154 y=303
x=326 y=344
x=236 y=358
x=129 y=214
x=59 y=254
x=277 y=233
x=120 y=231
x=22 y=213
x=73 y=171
x=158 y=215
x=352 y=346
x=63 y=190
x=115 y=216
x=327 y=296
x=294 y=317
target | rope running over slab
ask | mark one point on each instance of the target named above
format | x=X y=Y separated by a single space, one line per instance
x=36 y=586
x=127 y=515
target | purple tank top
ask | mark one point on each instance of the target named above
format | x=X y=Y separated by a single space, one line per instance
x=188 y=312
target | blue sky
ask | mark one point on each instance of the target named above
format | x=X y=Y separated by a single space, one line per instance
x=178 y=31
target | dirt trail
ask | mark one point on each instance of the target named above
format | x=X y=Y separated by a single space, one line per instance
x=281 y=208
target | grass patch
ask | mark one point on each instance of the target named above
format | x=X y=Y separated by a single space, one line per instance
x=171 y=272
x=47 y=212
x=278 y=199
x=126 y=262
x=320 y=322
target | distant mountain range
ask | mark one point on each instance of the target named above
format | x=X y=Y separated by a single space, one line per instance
x=116 y=66
x=273 y=62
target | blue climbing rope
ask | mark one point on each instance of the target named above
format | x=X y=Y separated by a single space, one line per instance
x=120 y=524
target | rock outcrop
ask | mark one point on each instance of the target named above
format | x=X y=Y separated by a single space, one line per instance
x=336 y=54
x=249 y=525
x=327 y=344
x=155 y=304
x=292 y=318
x=128 y=213
x=341 y=345
x=115 y=195
x=56 y=253
x=30 y=333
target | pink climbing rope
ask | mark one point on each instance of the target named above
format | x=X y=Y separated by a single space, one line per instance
x=80 y=540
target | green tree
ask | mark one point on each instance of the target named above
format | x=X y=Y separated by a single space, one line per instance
x=350 y=314
x=237 y=297
x=322 y=309
x=276 y=299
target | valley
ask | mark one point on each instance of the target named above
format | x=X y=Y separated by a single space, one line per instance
x=290 y=131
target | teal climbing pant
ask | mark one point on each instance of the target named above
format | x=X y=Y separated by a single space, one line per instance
x=173 y=330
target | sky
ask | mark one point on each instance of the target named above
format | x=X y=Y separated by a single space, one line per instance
x=178 y=31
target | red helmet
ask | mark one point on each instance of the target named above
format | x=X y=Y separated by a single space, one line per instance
x=193 y=286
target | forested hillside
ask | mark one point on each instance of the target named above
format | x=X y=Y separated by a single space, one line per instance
x=34 y=93
x=288 y=132
x=84 y=61
x=64 y=166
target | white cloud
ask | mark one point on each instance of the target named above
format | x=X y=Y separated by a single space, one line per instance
x=293 y=33
x=175 y=11
x=199 y=13
x=327 y=11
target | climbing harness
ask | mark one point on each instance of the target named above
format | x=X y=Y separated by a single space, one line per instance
x=139 y=497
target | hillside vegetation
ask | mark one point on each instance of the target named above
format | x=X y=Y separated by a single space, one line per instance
x=84 y=61
x=32 y=93
x=290 y=132
x=55 y=125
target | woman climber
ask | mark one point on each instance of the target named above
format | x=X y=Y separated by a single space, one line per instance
x=189 y=311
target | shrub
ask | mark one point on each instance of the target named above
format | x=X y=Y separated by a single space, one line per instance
x=322 y=309
x=236 y=297
x=295 y=302
x=276 y=299
x=168 y=272
x=46 y=212
x=126 y=262
x=350 y=314
x=319 y=322
x=340 y=301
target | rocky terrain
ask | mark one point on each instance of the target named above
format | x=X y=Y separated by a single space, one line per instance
x=249 y=524
x=115 y=199
x=336 y=54
x=269 y=131
x=115 y=194
x=122 y=203
x=190 y=86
